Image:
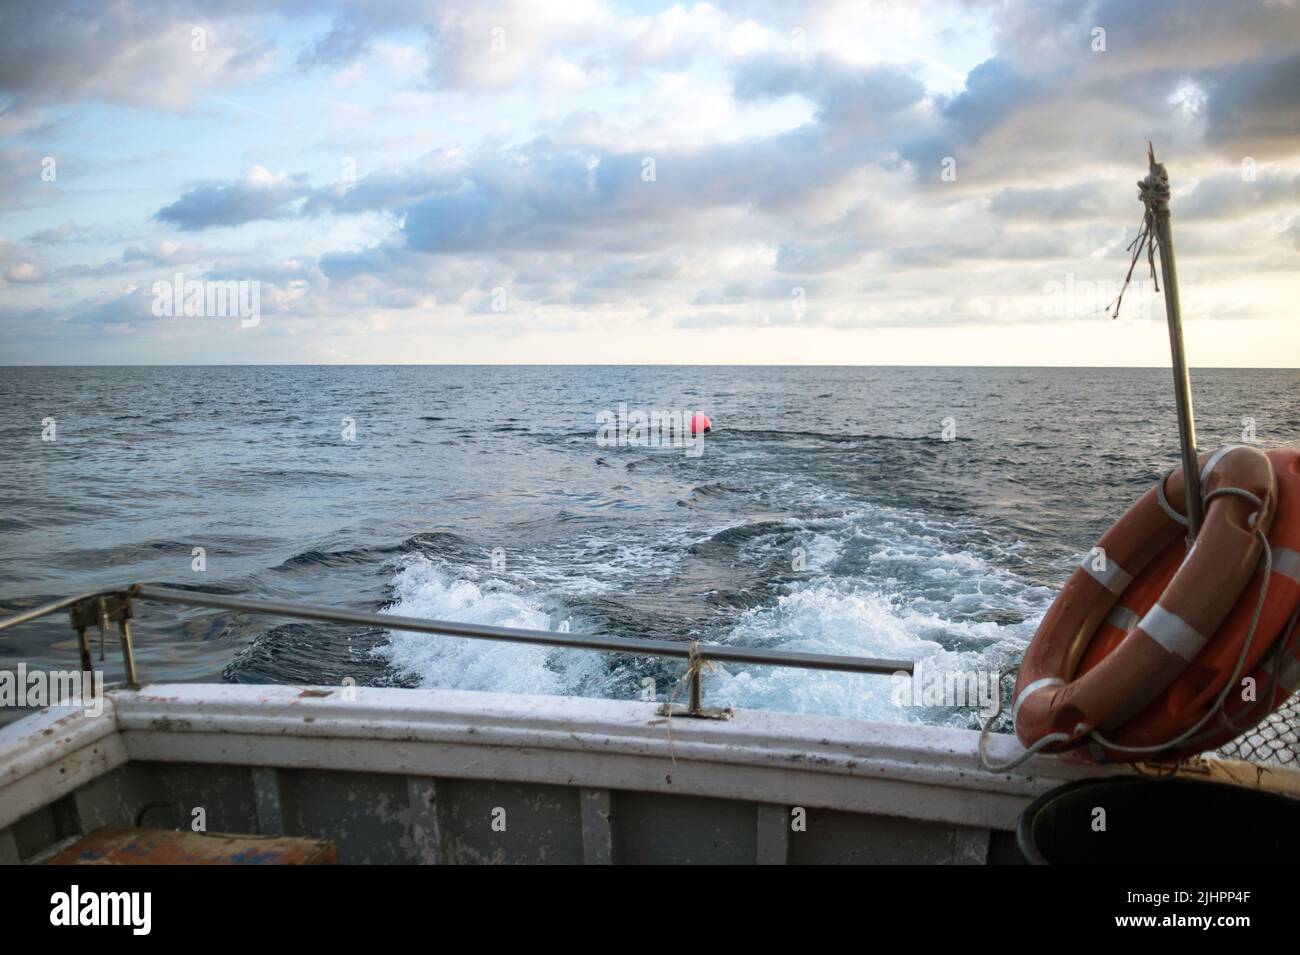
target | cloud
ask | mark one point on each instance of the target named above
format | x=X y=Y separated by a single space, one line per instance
x=683 y=168
x=488 y=46
x=1255 y=106
x=871 y=96
x=346 y=40
x=260 y=195
x=147 y=54
x=22 y=272
x=165 y=252
x=376 y=260
x=17 y=265
x=55 y=235
x=831 y=256
x=21 y=181
x=1080 y=202
x=1234 y=193
x=993 y=91
x=388 y=189
x=1057 y=35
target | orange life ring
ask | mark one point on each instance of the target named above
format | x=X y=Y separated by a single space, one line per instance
x=1055 y=706
x=1199 y=686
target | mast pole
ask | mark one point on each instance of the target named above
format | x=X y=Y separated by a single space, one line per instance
x=1154 y=192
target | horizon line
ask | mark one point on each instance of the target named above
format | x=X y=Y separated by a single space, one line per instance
x=469 y=364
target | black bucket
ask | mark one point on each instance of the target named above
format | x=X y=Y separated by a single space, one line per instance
x=1158 y=820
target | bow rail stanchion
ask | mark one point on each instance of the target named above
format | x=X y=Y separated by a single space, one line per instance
x=101 y=607
x=1156 y=234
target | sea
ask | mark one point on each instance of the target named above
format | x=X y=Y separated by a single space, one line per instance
x=928 y=514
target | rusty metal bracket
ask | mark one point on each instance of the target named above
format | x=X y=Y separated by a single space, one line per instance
x=695 y=667
x=100 y=611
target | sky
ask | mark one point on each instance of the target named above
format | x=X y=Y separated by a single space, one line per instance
x=586 y=181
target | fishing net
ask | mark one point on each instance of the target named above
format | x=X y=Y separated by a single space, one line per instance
x=1275 y=741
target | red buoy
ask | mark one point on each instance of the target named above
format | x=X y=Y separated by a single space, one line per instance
x=700 y=423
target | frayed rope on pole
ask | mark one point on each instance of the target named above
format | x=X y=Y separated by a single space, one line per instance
x=1154 y=193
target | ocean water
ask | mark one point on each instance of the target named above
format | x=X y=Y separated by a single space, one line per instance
x=925 y=513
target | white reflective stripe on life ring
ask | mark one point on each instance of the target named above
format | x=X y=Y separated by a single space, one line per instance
x=1031 y=688
x=1216 y=457
x=1113 y=577
x=1173 y=633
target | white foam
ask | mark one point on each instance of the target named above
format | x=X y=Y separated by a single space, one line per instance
x=424 y=589
x=928 y=591
x=823 y=551
x=924 y=597
x=836 y=617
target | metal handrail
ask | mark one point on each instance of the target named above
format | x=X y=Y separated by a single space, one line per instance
x=114 y=603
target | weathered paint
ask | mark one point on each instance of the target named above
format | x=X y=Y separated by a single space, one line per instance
x=923 y=772
x=398 y=775
x=113 y=846
x=49 y=754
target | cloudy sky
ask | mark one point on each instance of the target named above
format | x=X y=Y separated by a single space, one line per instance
x=589 y=181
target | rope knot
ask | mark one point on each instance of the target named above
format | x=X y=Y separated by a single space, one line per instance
x=1154 y=189
x=695 y=662
x=1154 y=193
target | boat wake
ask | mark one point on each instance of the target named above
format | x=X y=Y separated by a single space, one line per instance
x=424 y=589
x=874 y=581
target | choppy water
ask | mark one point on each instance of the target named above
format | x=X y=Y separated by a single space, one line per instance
x=912 y=546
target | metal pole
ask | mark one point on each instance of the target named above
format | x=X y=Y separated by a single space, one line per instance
x=663 y=648
x=128 y=654
x=1156 y=196
x=83 y=644
x=88 y=607
x=44 y=610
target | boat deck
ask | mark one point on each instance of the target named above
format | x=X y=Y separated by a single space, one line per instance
x=445 y=776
